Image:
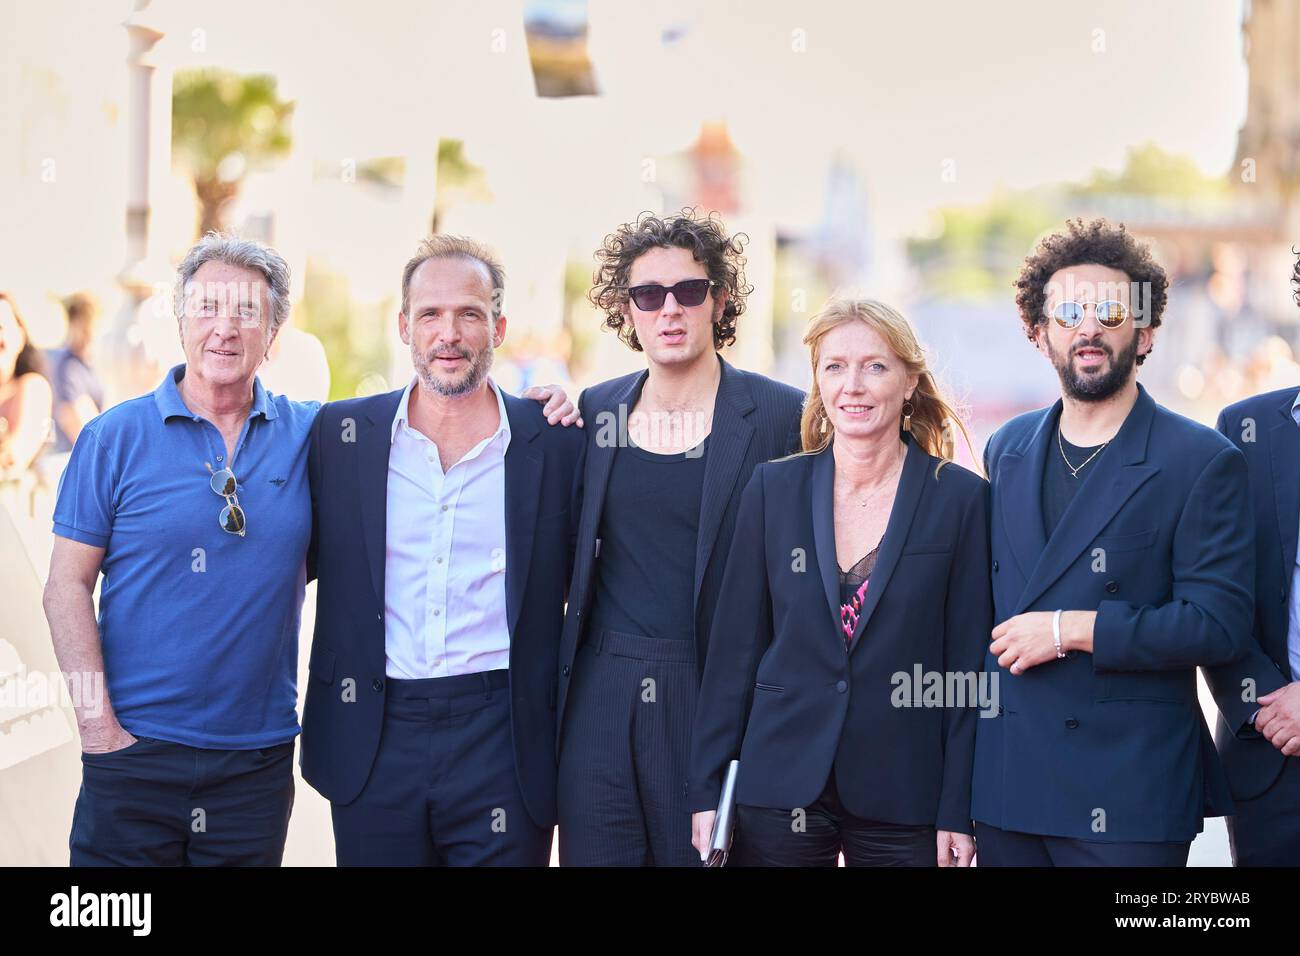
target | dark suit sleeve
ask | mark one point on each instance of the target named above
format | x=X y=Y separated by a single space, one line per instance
x=794 y=442
x=741 y=632
x=313 y=481
x=1209 y=619
x=968 y=626
x=1229 y=682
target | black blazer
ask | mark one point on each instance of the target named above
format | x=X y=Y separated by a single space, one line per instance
x=1262 y=427
x=755 y=419
x=1112 y=746
x=781 y=691
x=349 y=482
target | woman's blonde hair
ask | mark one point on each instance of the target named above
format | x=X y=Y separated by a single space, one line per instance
x=935 y=420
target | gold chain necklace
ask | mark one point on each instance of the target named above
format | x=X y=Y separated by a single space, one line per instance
x=1074 y=472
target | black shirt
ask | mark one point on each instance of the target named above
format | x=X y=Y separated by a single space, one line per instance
x=645 y=573
x=853 y=579
x=1059 y=485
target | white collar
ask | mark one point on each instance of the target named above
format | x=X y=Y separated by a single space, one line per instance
x=402 y=407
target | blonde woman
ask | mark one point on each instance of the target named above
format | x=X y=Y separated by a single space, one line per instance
x=855 y=610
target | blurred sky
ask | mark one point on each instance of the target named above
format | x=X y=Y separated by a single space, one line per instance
x=1010 y=93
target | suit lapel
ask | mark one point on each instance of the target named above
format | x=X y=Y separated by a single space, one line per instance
x=823 y=515
x=1116 y=474
x=1020 y=480
x=523 y=486
x=609 y=431
x=1284 y=450
x=729 y=441
x=373 y=445
x=910 y=485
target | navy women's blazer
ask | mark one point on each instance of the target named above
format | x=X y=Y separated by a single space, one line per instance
x=784 y=693
x=1262 y=427
x=1112 y=746
x=349 y=483
x=755 y=419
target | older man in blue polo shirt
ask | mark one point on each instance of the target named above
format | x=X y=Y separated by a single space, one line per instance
x=193 y=503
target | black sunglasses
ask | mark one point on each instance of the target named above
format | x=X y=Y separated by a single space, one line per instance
x=688 y=292
x=231 y=518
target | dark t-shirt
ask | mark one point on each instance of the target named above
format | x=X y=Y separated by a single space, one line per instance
x=645 y=574
x=1059 y=485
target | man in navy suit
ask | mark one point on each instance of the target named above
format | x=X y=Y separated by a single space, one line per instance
x=1258 y=730
x=1123 y=559
x=442 y=545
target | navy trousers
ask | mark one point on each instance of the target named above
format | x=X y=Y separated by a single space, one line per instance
x=995 y=847
x=1266 y=829
x=443 y=790
x=623 y=753
x=158 y=803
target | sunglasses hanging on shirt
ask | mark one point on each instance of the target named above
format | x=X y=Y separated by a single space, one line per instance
x=223 y=483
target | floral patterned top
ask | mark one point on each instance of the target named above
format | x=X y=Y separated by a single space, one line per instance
x=853 y=587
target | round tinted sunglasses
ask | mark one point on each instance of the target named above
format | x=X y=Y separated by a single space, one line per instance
x=689 y=292
x=231 y=518
x=1110 y=313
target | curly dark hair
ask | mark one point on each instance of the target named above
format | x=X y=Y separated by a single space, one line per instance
x=708 y=242
x=1088 y=243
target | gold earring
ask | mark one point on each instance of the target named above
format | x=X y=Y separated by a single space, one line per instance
x=907 y=416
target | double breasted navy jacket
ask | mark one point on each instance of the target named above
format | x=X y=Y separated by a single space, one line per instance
x=1158 y=540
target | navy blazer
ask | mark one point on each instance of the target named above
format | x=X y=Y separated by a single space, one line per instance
x=755 y=419
x=349 y=482
x=1112 y=746
x=1262 y=427
x=784 y=694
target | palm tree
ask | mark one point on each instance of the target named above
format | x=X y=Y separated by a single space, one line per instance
x=222 y=125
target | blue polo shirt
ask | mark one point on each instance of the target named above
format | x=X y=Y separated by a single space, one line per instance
x=199 y=626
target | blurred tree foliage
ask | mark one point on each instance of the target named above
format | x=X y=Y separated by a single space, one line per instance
x=582 y=321
x=976 y=251
x=1150 y=171
x=354 y=337
x=459 y=180
x=224 y=124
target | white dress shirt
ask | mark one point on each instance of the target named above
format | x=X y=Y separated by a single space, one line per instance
x=445 y=557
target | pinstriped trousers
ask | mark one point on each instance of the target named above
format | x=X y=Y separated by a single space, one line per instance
x=623 y=753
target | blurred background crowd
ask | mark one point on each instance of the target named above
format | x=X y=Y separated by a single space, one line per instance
x=913 y=152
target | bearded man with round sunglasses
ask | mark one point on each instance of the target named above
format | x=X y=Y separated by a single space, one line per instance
x=1123 y=559
x=193 y=503
x=669 y=449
